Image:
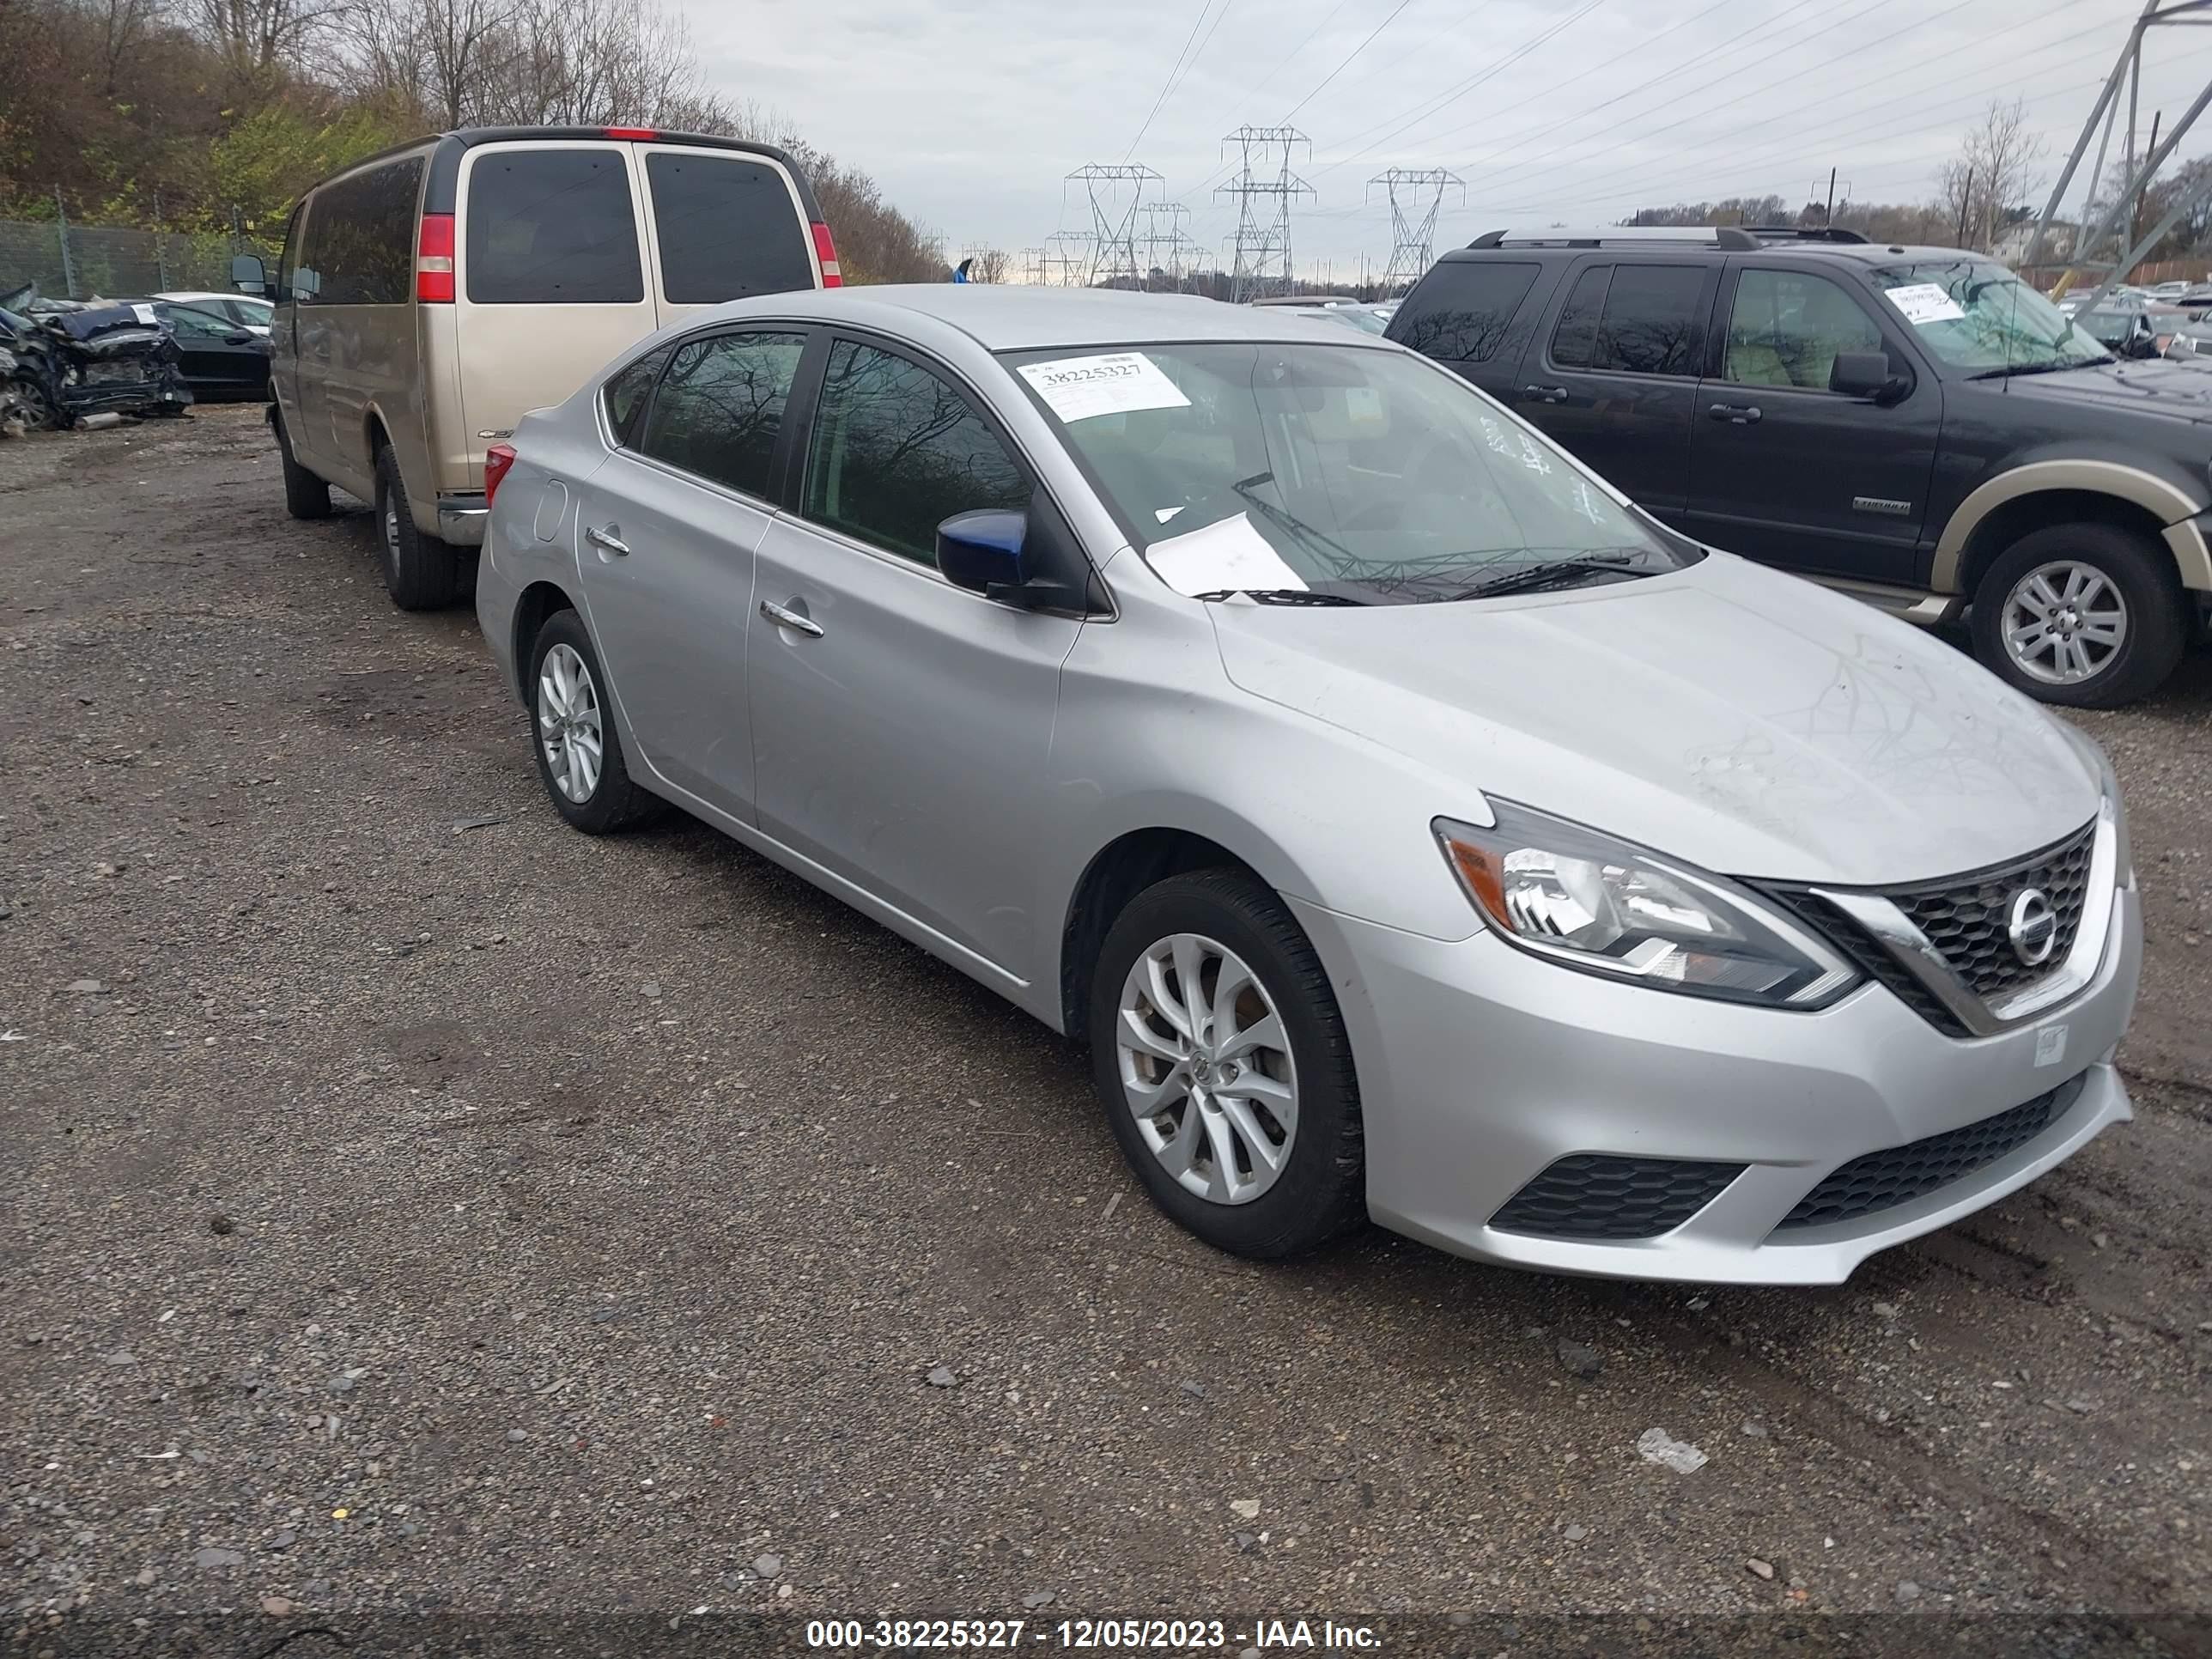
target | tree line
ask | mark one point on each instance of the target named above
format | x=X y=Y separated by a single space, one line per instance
x=216 y=114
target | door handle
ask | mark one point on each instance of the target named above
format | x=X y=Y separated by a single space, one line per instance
x=607 y=539
x=1735 y=414
x=782 y=616
x=1545 y=394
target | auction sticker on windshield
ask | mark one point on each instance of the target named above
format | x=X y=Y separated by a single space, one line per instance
x=1923 y=303
x=1077 y=388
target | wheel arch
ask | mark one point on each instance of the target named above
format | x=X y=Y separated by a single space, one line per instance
x=535 y=606
x=2025 y=498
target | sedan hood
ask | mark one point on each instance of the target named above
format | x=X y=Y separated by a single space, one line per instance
x=1747 y=721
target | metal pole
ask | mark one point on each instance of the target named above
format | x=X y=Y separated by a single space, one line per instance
x=68 y=266
x=160 y=246
x=2134 y=219
x=2107 y=104
x=1966 y=196
x=1830 y=217
x=2110 y=222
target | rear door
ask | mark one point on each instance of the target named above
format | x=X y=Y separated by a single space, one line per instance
x=1463 y=314
x=549 y=280
x=218 y=353
x=722 y=224
x=1616 y=380
x=1783 y=470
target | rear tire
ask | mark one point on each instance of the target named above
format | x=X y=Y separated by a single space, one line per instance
x=1309 y=1183
x=2083 y=616
x=570 y=711
x=421 y=572
x=306 y=495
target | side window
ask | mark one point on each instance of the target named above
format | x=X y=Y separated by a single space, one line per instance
x=1651 y=321
x=368 y=248
x=1786 y=328
x=552 y=227
x=721 y=406
x=290 y=257
x=625 y=395
x=307 y=276
x=1575 y=338
x=896 y=451
x=1461 y=309
x=191 y=323
x=726 y=228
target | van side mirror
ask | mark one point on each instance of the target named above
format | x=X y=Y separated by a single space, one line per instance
x=248 y=275
x=1866 y=375
x=982 y=550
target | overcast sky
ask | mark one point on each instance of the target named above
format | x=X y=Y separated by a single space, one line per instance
x=972 y=112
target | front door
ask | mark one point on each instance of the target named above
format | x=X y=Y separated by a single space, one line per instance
x=902 y=726
x=1786 y=471
x=667 y=531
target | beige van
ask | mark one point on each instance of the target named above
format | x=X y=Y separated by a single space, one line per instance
x=428 y=296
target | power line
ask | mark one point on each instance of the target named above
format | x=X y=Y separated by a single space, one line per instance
x=1165 y=85
x=1348 y=57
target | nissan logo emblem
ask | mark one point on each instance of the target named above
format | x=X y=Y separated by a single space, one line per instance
x=2032 y=926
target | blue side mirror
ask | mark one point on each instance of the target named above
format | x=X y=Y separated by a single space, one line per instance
x=982 y=550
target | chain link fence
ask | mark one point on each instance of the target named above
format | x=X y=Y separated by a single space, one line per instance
x=81 y=262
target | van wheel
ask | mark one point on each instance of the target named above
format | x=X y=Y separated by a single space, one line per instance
x=580 y=757
x=305 y=496
x=1222 y=1059
x=2085 y=616
x=421 y=573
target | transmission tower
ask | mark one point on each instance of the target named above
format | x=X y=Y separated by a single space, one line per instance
x=1168 y=247
x=1067 y=258
x=2119 y=223
x=1117 y=195
x=1264 y=187
x=1413 y=192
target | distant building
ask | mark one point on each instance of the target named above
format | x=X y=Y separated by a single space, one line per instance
x=2012 y=242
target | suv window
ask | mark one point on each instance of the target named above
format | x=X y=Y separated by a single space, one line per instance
x=1632 y=320
x=1460 y=310
x=365 y=247
x=718 y=409
x=1786 y=327
x=625 y=393
x=552 y=227
x=726 y=228
x=897 y=450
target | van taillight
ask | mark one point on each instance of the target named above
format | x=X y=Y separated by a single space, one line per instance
x=833 y=275
x=434 y=259
x=497 y=459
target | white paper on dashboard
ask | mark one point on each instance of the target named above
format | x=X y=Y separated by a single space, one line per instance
x=1227 y=553
x=144 y=313
x=1112 y=383
x=1923 y=303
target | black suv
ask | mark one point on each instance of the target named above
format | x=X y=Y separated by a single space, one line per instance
x=1913 y=425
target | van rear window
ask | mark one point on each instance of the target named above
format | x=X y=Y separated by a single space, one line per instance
x=726 y=227
x=552 y=227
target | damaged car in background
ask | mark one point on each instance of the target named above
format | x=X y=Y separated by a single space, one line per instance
x=70 y=365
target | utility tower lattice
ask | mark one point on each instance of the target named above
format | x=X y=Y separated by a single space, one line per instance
x=1168 y=247
x=1113 y=219
x=1068 y=257
x=1413 y=240
x=1264 y=187
x=1033 y=267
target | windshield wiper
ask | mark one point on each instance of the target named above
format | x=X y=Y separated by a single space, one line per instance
x=1561 y=573
x=1279 y=596
x=1290 y=521
x=2052 y=368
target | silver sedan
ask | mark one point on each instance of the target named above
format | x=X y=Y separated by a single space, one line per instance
x=1593 y=900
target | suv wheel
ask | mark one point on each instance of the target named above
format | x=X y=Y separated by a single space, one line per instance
x=1222 y=1059
x=2087 y=615
x=421 y=573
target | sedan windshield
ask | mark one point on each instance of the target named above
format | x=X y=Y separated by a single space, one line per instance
x=1311 y=473
x=1978 y=316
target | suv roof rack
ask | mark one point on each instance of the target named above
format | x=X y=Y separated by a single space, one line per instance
x=1727 y=236
x=1804 y=234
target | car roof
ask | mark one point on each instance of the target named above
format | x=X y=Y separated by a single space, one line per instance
x=1870 y=253
x=1004 y=317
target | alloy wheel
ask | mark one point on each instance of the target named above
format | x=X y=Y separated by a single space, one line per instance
x=2064 y=622
x=568 y=723
x=1206 y=1067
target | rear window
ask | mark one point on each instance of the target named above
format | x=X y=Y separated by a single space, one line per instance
x=552 y=227
x=1459 y=311
x=726 y=227
x=363 y=240
x=626 y=392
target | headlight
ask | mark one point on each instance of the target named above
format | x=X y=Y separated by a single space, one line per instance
x=1587 y=900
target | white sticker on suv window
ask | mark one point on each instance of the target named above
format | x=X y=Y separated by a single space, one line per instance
x=1225 y=554
x=1077 y=388
x=1923 y=303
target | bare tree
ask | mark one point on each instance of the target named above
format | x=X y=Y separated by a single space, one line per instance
x=255 y=38
x=1989 y=182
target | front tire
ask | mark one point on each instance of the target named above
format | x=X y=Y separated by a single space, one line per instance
x=421 y=572
x=2084 y=616
x=580 y=757
x=1222 y=1059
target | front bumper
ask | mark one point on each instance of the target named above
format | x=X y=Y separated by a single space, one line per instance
x=1481 y=1067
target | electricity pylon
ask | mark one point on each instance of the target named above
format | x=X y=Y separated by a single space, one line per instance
x=1414 y=239
x=1264 y=187
x=1113 y=219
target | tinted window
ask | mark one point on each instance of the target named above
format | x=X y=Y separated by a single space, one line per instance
x=290 y=256
x=1459 y=311
x=896 y=451
x=552 y=227
x=201 y=327
x=625 y=393
x=725 y=228
x=365 y=236
x=1575 y=338
x=1650 y=325
x=1786 y=327
x=719 y=408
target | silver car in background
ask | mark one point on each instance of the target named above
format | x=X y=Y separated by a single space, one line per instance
x=1410 y=826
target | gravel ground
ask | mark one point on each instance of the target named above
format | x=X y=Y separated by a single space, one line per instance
x=418 y=1204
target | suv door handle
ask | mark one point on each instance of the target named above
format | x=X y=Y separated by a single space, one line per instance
x=782 y=616
x=1735 y=414
x=607 y=539
x=1545 y=394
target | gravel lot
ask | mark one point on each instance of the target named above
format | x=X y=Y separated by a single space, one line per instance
x=408 y=1214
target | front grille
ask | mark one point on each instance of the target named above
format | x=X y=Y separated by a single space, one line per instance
x=1965 y=918
x=1591 y=1195
x=1898 y=1175
x=1873 y=959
